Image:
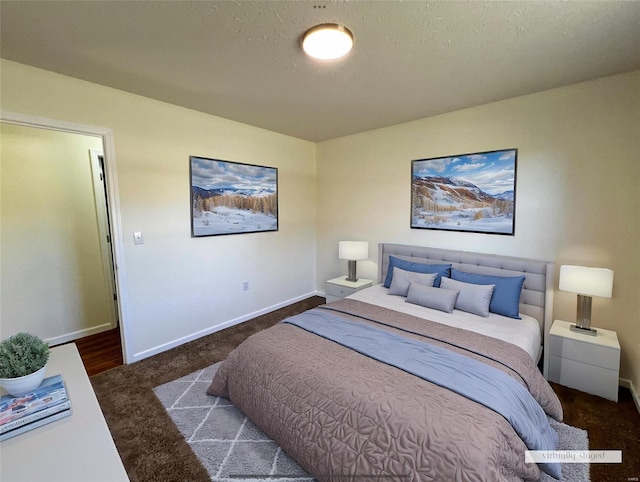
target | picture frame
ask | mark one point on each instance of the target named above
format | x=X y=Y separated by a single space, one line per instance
x=230 y=197
x=467 y=192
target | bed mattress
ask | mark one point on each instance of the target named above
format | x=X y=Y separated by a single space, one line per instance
x=524 y=333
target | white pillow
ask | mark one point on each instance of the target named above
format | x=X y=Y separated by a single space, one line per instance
x=472 y=298
x=436 y=298
x=402 y=279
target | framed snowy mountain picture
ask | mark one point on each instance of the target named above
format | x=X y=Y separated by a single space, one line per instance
x=232 y=198
x=468 y=192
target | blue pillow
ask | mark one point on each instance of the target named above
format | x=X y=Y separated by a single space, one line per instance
x=439 y=269
x=506 y=294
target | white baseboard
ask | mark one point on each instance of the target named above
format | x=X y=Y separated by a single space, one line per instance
x=74 y=335
x=213 y=329
x=634 y=394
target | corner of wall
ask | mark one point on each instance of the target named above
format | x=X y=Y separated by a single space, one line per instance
x=635 y=394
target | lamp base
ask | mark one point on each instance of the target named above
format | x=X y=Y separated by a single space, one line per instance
x=351 y=275
x=583 y=318
x=584 y=331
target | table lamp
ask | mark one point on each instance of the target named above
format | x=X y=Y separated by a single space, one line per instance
x=353 y=251
x=586 y=282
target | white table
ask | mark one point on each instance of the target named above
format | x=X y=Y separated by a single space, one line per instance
x=338 y=288
x=584 y=362
x=76 y=448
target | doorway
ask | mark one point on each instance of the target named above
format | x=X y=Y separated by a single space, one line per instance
x=62 y=273
x=101 y=198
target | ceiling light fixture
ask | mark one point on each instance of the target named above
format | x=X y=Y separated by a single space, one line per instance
x=327 y=41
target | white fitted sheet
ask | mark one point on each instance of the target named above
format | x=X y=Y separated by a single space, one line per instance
x=524 y=333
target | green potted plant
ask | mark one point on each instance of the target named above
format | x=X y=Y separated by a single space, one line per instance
x=23 y=362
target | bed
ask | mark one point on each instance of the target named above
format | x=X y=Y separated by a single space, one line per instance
x=360 y=389
x=536 y=301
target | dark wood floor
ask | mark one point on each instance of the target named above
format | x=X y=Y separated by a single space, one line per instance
x=100 y=352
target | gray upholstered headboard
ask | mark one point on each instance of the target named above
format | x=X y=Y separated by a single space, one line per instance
x=536 y=299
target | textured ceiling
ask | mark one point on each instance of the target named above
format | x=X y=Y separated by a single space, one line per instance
x=241 y=60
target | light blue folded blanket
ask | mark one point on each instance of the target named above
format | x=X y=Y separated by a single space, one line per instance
x=466 y=376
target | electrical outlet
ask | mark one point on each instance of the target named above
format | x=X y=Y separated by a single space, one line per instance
x=245 y=286
x=137 y=238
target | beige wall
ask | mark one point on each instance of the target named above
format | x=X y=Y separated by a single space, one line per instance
x=578 y=200
x=180 y=287
x=52 y=278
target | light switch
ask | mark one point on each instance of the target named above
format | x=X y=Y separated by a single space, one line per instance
x=137 y=238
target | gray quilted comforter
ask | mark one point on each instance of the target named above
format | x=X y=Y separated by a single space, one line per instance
x=346 y=417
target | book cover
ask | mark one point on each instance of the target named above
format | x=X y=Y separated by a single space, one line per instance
x=51 y=392
x=36 y=424
x=35 y=416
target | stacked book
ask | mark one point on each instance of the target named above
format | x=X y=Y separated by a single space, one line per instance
x=43 y=405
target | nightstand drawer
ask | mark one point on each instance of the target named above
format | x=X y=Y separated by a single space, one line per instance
x=339 y=291
x=584 y=352
x=338 y=288
x=583 y=377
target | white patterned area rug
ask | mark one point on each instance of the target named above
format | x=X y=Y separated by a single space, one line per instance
x=227 y=443
x=233 y=449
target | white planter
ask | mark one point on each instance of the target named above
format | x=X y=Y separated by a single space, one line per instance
x=22 y=385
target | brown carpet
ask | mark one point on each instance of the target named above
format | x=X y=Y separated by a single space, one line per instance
x=152 y=448
x=611 y=426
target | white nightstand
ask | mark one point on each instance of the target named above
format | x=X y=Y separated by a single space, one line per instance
x=587 y=363
x=339 y=287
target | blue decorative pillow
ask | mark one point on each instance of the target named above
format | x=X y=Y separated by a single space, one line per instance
x=440 y=269
x=506 y=294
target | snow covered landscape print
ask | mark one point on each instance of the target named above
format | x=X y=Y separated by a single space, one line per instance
x=470 y=192
x=231 y=198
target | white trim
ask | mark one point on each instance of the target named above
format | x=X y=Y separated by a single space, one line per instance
x=51 y=124
x=213 y=329
x=109 y=149
x=74 y=335
x=634 y=394
x=547 y=321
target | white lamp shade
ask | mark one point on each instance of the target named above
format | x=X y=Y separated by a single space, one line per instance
x=586 y=281
x=327 y=41
x=353 y=250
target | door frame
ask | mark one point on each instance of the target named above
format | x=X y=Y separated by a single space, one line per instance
x=113 y=202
